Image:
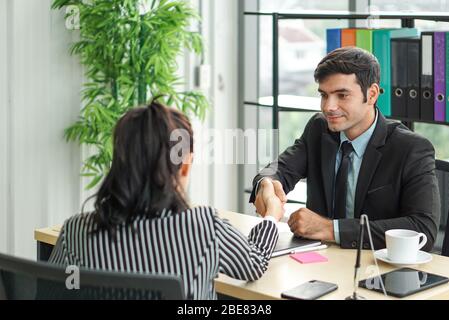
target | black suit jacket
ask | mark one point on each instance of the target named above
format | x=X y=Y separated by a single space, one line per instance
x=397 y=187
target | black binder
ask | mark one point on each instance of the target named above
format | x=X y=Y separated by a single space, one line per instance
x=413 y=91
x=398 y=78
x=426 y=75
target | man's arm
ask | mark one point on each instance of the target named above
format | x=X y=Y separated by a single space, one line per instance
x=419 y=203
x=290 y=167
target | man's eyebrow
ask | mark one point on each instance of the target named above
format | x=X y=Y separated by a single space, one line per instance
x=342 y=90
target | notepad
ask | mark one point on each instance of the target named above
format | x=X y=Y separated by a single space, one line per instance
x=308 y=257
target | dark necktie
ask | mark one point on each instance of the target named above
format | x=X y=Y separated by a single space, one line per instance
x=341 y=182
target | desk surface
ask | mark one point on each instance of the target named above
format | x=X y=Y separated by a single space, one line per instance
x=284 y=273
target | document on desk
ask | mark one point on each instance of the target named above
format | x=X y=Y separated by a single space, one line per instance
x=288 y=243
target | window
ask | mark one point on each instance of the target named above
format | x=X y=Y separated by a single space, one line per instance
x=302 y=43
x=410 y=5
x=301 y=46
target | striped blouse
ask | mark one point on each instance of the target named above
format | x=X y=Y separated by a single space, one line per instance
x=195 y=244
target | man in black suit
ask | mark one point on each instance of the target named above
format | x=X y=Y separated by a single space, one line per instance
x=356 y=162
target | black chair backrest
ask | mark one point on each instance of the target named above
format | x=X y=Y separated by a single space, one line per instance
x=445 y=249
x=442 y=173
x=24 y=279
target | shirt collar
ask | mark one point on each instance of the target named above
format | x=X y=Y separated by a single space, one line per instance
x=361 y=142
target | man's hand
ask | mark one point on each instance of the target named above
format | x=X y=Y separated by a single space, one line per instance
x=308 y=224
x=260 y=203
x=274 y=206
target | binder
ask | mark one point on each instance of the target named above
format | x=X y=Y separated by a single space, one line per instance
x=439 y=69
x=447 y=76
x=398 y=78
x=364 y=39
x=348 y=37
x=426 y=77
x=333 y=39
x=382 y=51
x=412 y=91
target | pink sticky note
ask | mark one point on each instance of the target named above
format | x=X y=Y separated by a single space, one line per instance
x=308 y=257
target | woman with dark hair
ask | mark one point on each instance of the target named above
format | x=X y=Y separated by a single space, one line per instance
x=142 y=222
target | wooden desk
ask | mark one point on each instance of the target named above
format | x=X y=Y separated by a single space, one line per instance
x=284 y=273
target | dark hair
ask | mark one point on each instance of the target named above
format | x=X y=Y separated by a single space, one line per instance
x=350 y=60
x=143 y=179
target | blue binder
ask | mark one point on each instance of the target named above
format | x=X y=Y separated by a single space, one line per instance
x=333 y=39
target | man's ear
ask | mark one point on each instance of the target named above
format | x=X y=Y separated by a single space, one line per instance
x=373 y=94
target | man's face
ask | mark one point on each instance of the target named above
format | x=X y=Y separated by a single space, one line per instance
x=342 y=104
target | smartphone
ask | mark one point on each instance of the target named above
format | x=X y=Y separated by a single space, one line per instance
x=310 y=290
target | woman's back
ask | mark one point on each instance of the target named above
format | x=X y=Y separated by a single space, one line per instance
x=142 y=221
x=195 y=244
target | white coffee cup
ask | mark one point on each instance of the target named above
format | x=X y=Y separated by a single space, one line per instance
x=403 y=245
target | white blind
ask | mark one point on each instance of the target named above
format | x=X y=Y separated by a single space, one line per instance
x=39 y=97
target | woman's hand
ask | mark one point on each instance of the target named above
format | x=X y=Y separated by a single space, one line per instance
x=270 y=192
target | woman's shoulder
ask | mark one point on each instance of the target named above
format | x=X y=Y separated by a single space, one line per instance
x=201 y=214
x=79 y=220
x=206 y=211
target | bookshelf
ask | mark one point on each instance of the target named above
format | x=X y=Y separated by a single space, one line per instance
x=281 y=103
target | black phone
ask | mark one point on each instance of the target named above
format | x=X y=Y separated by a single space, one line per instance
x=310 y=290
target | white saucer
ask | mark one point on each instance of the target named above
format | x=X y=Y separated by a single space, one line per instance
x=423 y=257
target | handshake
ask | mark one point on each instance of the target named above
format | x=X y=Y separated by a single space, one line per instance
x=270 y=199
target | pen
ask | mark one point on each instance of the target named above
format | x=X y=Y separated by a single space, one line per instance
x=321 y=247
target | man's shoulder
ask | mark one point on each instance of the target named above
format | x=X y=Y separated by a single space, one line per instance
x=318 y=117
x=318 y=122
x=402 y=136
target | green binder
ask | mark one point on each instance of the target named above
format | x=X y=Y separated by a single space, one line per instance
x=364 y=39
x=382 y=51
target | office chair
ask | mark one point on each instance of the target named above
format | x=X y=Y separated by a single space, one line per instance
x=445 y=249
x=22 y=279
x=442 y=173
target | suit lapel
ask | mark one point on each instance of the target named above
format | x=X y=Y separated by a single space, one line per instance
x=329 y=147
x=370 y=161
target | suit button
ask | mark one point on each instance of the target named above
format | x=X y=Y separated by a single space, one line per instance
x=354 y=244
x=365 y=246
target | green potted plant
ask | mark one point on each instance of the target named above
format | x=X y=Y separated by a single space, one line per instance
x=129 y=50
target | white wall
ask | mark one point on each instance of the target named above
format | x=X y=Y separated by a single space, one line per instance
x=200 y=184
x=224 y=24
x=42 y=184
x=216 y=184
x=3 y=128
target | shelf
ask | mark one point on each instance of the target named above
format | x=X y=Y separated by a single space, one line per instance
x=432 y=16
x=290 y=103
x=418 y=120
x=293 y=103
x=312 y=104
